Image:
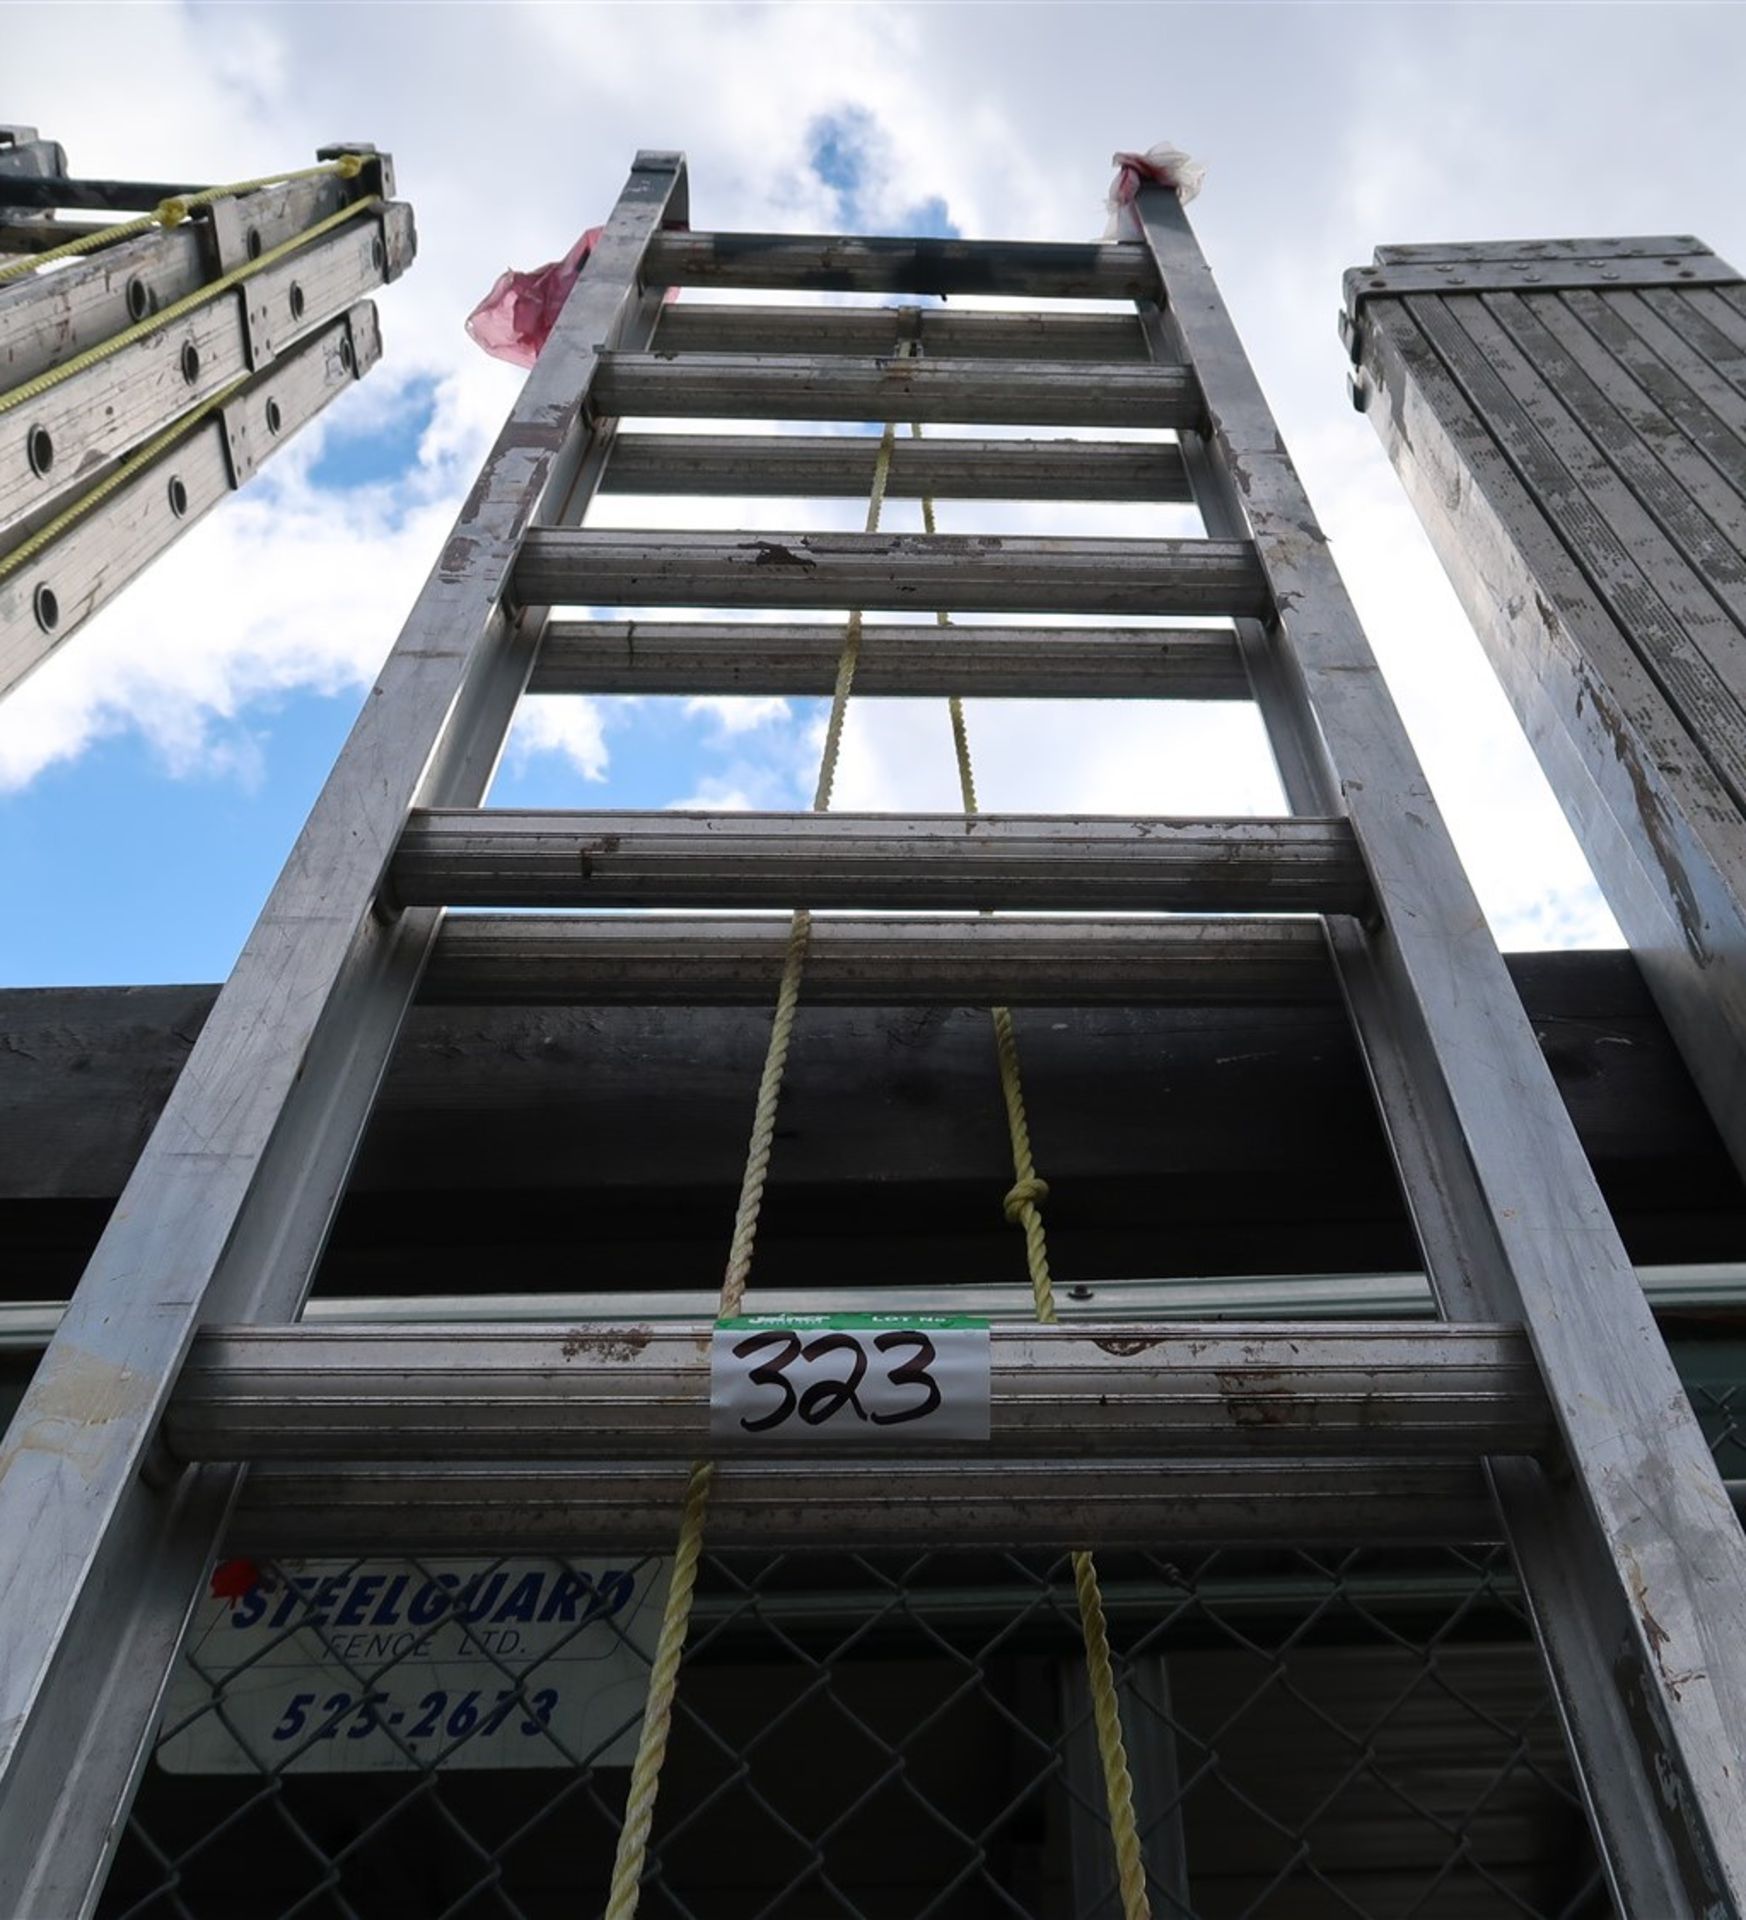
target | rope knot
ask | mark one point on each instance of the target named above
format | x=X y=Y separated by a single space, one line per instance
x=1021 y=1194
x=172 y=212
x=349 y=165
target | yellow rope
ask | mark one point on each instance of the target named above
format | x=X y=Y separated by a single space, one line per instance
x=172 y=212
x=1023 y=1207
x=51 y=530
x=1022 y=1204
x=645 y=1779
x=177 y=309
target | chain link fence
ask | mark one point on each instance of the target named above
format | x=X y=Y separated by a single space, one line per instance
x=878 y=1736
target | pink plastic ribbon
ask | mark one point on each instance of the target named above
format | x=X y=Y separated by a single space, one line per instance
x=1165 y=166
x=516 y=318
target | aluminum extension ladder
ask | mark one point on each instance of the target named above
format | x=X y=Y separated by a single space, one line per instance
x=121 y=1471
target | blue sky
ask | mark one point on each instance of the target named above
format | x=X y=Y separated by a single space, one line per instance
x=141 y=871
x=154 y=775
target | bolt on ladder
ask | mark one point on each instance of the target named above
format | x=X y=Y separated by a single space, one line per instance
x=1548 y=1401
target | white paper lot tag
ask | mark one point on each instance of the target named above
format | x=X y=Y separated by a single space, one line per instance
x=858 y=1379
x=369 y=1666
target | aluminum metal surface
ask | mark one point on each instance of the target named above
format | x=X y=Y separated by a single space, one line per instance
x=837 y=263
x=1038 y=663
x=888 y=572
x=53 y=447
x=48 y=318
x=1017 y=393
x=1016 y=1505
x=27 y=1325
x=626 y=1391
x=703 y=326
x=840 y=466
x=49 y=598
x=102 y=1561
x=506 y=858
x=876 y=960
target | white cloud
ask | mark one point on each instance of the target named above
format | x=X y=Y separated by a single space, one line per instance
x=562 y=724
x=737 y=713
x=715 y=796
x=285 y=589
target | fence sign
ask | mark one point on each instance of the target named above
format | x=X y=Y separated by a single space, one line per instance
x=364 y=1666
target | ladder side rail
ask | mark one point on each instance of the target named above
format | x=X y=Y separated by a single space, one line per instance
x=1580 y=1616
x=1652 y=1503
x=47 y=318
x=89 y=418
x=226 y=1211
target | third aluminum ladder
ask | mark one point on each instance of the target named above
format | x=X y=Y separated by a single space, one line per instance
x=132 y=1452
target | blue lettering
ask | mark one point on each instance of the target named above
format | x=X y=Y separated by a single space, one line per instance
x=567 y=1590
x=523 y=1598
x=617 y=1589
x=385 y=1615
x=477 y=1602
x=432 y=1602
x=296 y=1589
x=250 y=1607
x=358 y=1601
x=325 y=1595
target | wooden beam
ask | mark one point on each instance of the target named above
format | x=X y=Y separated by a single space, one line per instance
x=535 y=1147
x=1578 y=458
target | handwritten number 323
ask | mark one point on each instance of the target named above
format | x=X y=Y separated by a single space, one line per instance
x=818 y=1402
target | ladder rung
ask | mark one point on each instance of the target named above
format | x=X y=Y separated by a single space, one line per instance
x=835 y=387
x=501 y=858
x=1014 y=1505
x=1162 y=1392
x=696 y=960
x=1036 y=663
x=696 y=326
x=945 y=573
x=831 y=262
x=842 y=465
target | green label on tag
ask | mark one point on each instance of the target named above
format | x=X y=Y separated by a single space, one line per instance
x=756 y=1320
